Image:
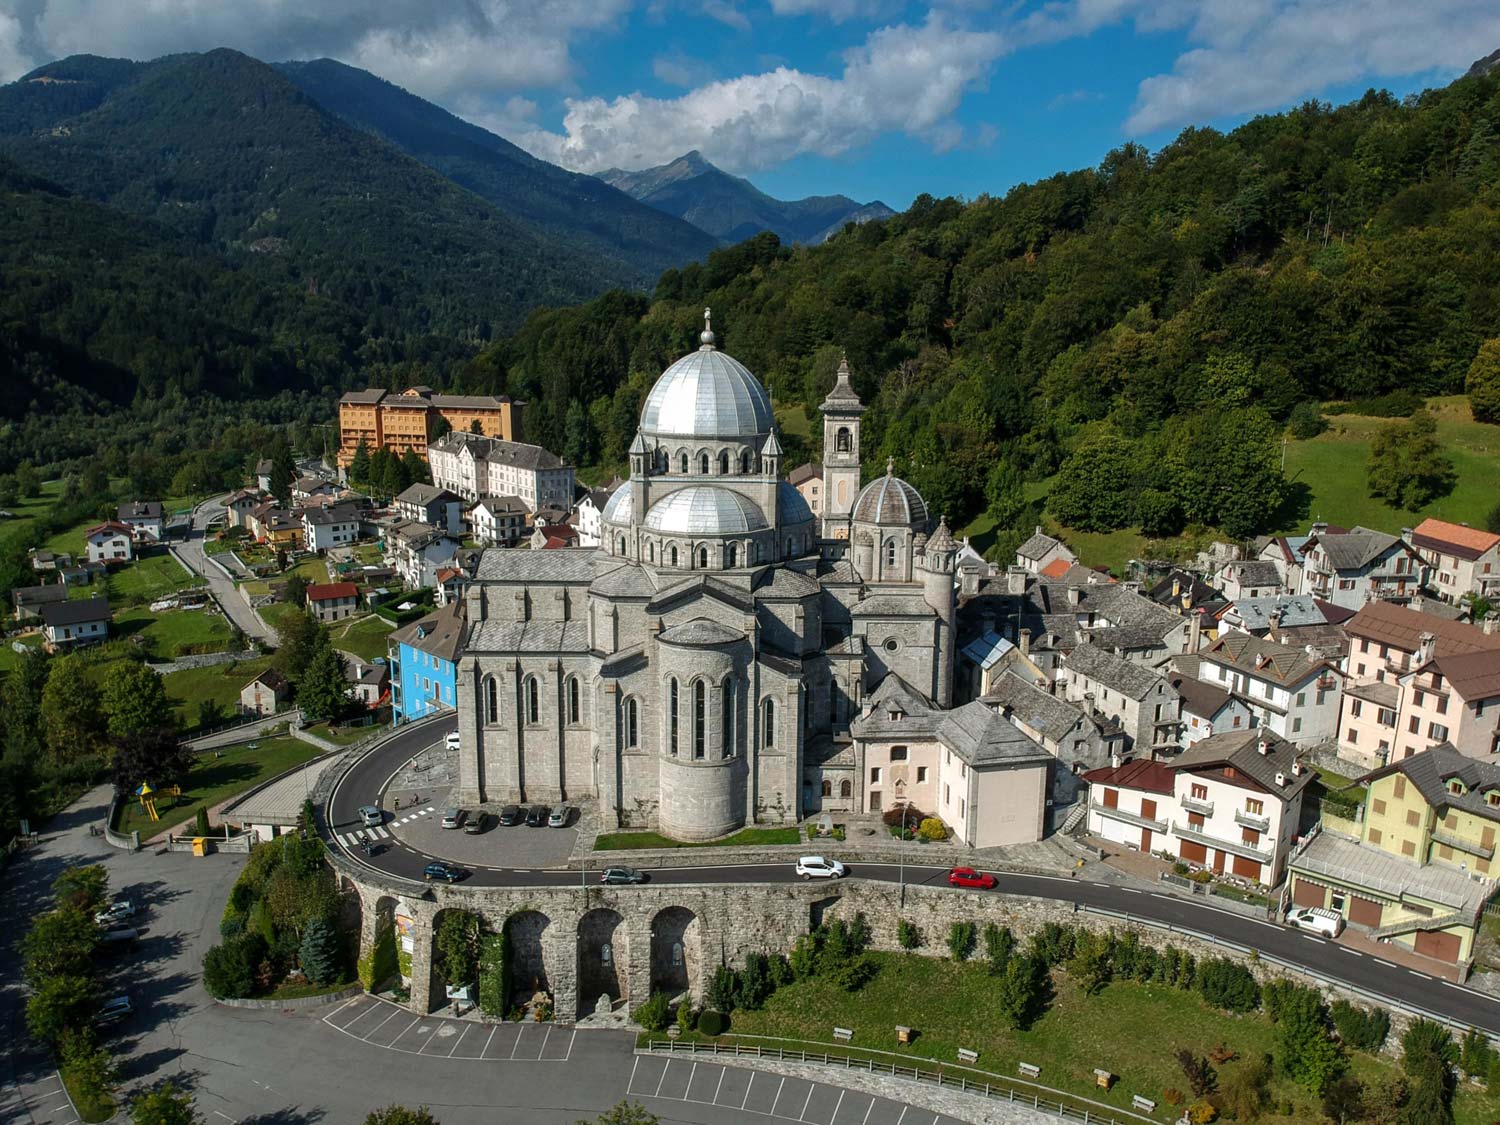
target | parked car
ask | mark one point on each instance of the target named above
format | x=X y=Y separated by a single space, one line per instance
x=119 y=937
x=512 y=815
x=621 y=876
x=816 y=867
x=453 y=817
x=1316 y=920
x=114 y=1010
x=451 y=741
x=560 y=817
x=370 y=816
x=968 y=877
x=476 y=824
x=443 y=872
x=536 y=816
x=116 y=912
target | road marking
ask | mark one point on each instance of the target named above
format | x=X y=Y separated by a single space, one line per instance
x=546 y=1037
x=1356 y=952
x=461 y=1035
x=691 y=1075
x=1131 y=891
x=663 y=1078
x=903 y=1114
x=486 y=1048
x=746 y=1098
x=717 y=1088
x=629 y=1086
x=803 y=1115
x=366 y=1036
x=1413 y=972
x=404 y=1030
x=835 y=1116
x=776 y=1099
x=1319 y=940
x=865 y=1119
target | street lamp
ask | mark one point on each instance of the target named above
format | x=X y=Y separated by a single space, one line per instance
x=901 y=852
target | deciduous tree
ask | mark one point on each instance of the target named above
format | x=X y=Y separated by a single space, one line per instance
x=1408 y=468
x=135 y=700
x=70 y=710
x=1482 y=383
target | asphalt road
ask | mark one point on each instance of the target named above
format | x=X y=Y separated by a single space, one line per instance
x=364 y=783
x=190 y=551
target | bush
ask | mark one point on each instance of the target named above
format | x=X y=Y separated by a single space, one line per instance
x=1051 y=945
x=687 y=1019
x=1306 y=421
x=1089 y=966
x=893 y=816
x=908 y=936
x=1172 y=1095
x=999 y=945
x=1309 y=1054
x=229 y=969
x=1201 y=1113
x=961 y=940
x=201 y=828
x=321 y=953
x=1365 y=1029
x=1019 y=992
x=494 y=961
x=1228 y=985
x=723 y=989
x=711 y=1022
x=91 y=1070
x=932 y=829
x=652 y=1015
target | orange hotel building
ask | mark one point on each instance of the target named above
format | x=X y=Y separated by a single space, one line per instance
x=408 y=419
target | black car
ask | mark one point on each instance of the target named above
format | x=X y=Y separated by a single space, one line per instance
x=536 y=816
x=511 y=815
x=446 y=872
x=621 y=876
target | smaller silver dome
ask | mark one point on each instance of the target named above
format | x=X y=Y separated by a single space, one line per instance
x=620 y=506
x=890 y=502
x=704 y=509
x=791 y=507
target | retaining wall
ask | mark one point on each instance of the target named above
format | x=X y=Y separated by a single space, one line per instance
x=131 y=841
x=298 y=1002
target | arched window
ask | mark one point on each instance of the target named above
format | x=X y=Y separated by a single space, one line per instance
x=890 y=554
x=573 y=701
x=846 y=790
x=703 y=464
x=768 y=723
x=674 y=554
x=632 y=723
x=790 y=547
x=723 y=462
x=827 y=788
x=745 y=462
x=702 y=558
x=620 y=545
x=491 y=701
x=726 y=717
x=731 y=555
x=700 y=709
x=672 y=716
x=651 y=552
x=683 y=461
x=841 y=440
x=533 y=700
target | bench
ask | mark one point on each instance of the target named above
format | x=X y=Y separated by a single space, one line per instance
x=1143 y=1103
x=1029 y=1070
x=967 y=1056
x=843 y=1034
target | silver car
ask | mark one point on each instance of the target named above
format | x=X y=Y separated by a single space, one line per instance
x=370 y=816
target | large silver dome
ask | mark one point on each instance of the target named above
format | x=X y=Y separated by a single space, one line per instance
x=707 y=394
x=704 y=509
x=620 y=506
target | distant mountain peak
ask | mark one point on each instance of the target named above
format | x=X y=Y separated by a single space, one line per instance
x=732 y=208
x=1483 y=66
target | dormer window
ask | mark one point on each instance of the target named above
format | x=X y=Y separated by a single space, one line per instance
x=1492 y=798
x=1456 y=786
x=896 y=715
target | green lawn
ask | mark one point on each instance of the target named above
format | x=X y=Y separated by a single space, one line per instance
x=273 y=614
x=343 y=736
x=793 y=420
x=221 y=683
x=313 y=569
x=26 y=513
x=951 y=1006
x=746 y=837
x=148 y=579
x=365 y=637
x=9 y=657
x=72 y=540
x=174 y=633
x=215 y=779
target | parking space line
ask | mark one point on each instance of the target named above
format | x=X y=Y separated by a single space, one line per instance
x=404 y=1030
x=863 y=1120
x=806 y=1102
x=546 y=1037
x=837 y=1107
x=630 y=1086
x=748 y=1085
x=571 y=1039
x=663 y=1077
x=461 y=1035
x=720 y=1086
x=366 y=1036
x=519 y=1036
x=774 y=1100
x=903 y=1114
x=486 y=1048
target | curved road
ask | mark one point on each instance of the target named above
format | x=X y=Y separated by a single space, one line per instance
x=190 y=552
x=364 y=783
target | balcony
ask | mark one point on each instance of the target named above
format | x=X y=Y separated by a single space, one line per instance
x=1251 y=820
x=1197 y=805
x=1460 y=844
x=1233 y=847
x=1128 y=817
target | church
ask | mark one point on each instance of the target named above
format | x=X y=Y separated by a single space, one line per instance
x=724 y=658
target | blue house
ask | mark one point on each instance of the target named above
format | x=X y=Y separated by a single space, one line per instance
x=424 y=663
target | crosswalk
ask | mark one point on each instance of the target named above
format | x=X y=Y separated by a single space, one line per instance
x=370 y=835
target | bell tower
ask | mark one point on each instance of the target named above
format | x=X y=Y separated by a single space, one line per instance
x=841 y=411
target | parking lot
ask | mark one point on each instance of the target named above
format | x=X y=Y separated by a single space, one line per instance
x=39 y=1101
x=517 y=848
x=383 y=1024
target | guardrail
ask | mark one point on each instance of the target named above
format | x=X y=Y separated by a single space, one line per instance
x=1058 y=1103
x=130 y=842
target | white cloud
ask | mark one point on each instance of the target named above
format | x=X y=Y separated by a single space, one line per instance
x=839 y=11
x=1254 y=55
x=14 y=59
x=679 y=69
x=726 y=13
x=434 y=49
x=902 y=79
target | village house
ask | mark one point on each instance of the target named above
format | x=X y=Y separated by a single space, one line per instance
x=418 y=552
x=1208 y=709
x=239 y=504
x=1416 y=868
x=368 y=682
x=807 y=479
x=1141 y=700
x=549 y=537
x=423 y=664
x=1453 y=699
x=263 y=470
x=67 y=625
x=307 y=487
x=448 y=585
x=281 y=529
x=589 y=510
x=1461 y=560
x=985 y=659
x=474 y=466
x=144 y=518
x=333 y=601
x=266 y=694
x=1298 y=620
x=1077 y=740
x=1352 y=567
x=110 y=542
x=1182 y=592
x=1284 y=552
x=501 y=520
x=334 y=525
x=29 y=600
x=44 y=560
x=1291 y=692
x=434 y=506
x=1040 y=550
x=1249 y=578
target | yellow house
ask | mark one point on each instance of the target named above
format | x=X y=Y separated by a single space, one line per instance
x=1419 y=870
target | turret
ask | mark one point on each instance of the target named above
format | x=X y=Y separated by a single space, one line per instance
x=841 y=411
x=937 y=566
x=770 y=467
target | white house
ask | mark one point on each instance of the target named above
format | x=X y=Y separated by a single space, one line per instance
x=1291 y=691
x=1208 y=709
x=474 y=466
x=434 y=506
x=336 y=525
x=109 y=542
x=144 y=518
x=1040 y=550
x=1349 y=568
x=1249 y=578
x=418 y=552
x=500 y=519
x=67 y=625
x=590 y=511
x=1143 y=701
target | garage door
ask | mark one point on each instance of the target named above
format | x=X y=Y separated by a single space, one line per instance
x=1194 y=853
x=1246 y=868
x=1364 y=912
x=1309 y=894
x=1433 y=943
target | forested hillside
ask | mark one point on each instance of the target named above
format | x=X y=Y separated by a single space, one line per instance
x=1142 y=330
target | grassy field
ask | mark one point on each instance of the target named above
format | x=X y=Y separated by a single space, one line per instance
x=26 y=513
x=951 y=1006
x=343 y=736
x=148 y=579
x=175 y=632
x=273 y=614
x=365 y=637
x=747 y=837
x=220 y=683
x=792 y=420
x=216 y=779
x=9 y=657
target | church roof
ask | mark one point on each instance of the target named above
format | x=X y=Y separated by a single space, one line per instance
x=891 y=605
x=890 y=502
x=529 y=636
x=704 y=509
x=625 y=582
x=842 y=399
x=700 y=631
x=566 y=564
x=707 y=394
x=982 y=737
x=896 y=710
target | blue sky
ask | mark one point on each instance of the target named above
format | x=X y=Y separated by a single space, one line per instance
x=873 y=98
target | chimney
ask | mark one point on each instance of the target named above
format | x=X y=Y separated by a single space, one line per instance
x=1318 y=527
x=1195 y=630
x=1015 y=580
x=1176 y=586
x=1025 y=637
x=1132 y=587
x=1425 y=645
x=1005 y=710
x=1263 y=747
x=1075 y=595
x=1280 y=778
x=1296 y=769
x=1492 y=622
x=1406 y=534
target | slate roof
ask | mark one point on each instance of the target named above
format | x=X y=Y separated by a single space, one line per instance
x=139 y=510
x=1131 y=680
x=1400 y=627
x=529 y=636
x=782 y=582
x=1295 y=609
x=1354 y=549
x=439 y=634
x=1240 y=749
x=1454 y=538
x=891 y=605
x=918 y=716
x=699 y=586
x=367 y=397
x=40 y=595
x=1431 y=770
x=1264 y=659
x=1348 y=861
x=1153 y=777
x=1037 y=546
x=1039 y=709
x=272 y=679
x=502 y=505
x=700 y=631
x=517 y=453
x=1254 y=572
x=75 y=612
x=804 y=472
x=332 y=514
x=423 y=495
x=567 y=564
x=1190 y=586
x=1199 y=697
x=625 y=582
x=983 y=737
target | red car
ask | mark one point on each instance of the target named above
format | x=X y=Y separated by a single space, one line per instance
x=968 y=877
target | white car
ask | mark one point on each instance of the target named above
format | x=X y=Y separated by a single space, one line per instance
x=451 y=741
x=1317 y=920
x=816 y=867
x=117 y=912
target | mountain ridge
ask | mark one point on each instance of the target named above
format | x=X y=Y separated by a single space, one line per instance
x=732 y=208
